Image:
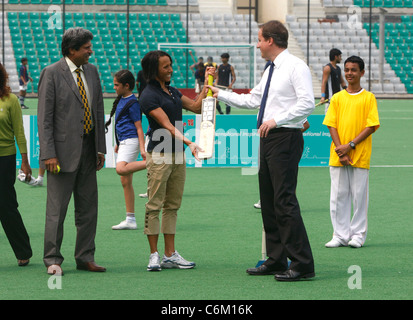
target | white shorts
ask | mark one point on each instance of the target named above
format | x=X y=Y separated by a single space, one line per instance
x=23 y=87
x=128 y=150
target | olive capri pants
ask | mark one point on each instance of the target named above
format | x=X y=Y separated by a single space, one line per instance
x=166 y=179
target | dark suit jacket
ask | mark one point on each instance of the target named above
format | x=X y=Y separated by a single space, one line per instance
x=60 y=114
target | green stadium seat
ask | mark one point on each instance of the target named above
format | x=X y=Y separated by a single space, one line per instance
x=152 y=2
x=145 y=24
x=142 y=16
x=398 y=3
x=172 y=38
x=156 y=24
x=175 y=17
x=153 y=17
x=147 y=31
x=408 y=3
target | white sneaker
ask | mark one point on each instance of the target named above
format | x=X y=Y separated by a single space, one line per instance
x=176 y=261
x=125 y=225
x=257 y=205
x=354 y=243
x=39 y=182
x=22 y=178
x=154 y=262
x=334 y=243
x=143 y=195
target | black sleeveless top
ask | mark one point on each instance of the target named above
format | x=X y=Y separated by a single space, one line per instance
x=333 y=84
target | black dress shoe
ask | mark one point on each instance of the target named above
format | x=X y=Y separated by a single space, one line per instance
x=90 y=266
x=262 y=270
x=291 y=275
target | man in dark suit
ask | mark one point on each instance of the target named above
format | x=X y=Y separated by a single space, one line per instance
x=72 y=148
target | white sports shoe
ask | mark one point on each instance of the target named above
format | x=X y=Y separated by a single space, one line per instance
x=125 y=225
x=154 y=262
x=143 y=195
x=22 y=178
x=176 y=261
x=39 y=182
x=334 y=243
x=257 y=205
x=354 y=243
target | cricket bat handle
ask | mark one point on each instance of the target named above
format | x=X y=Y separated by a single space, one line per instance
x=210 y=83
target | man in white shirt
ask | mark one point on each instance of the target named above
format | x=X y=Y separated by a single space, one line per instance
x=285 y=98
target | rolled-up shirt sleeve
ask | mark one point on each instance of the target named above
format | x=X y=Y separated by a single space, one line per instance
x=301 y=82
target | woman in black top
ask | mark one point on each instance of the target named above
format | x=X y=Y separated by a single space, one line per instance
x=163 y=104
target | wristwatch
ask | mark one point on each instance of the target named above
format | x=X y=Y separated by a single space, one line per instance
x=352 y=145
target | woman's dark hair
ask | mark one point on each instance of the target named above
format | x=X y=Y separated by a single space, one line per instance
x=4 y=79
x=150 y=64
x=276 y=30
x=123 y=77
x=74 y=38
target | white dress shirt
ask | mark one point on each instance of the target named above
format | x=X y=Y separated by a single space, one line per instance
x=72 y=68
x=290 y=97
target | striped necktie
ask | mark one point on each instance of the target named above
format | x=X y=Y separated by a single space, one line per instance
x=265 y=96
x=87 y=120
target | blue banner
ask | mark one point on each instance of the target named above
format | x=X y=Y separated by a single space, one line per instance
x=236 y=142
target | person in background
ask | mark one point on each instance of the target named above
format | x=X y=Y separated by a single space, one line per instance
x=225 y=78
x=12 y=132
x=351 y=119
x=24 y=79
x=333 y=80
x=129 y=140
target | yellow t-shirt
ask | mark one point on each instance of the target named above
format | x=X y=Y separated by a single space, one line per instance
x=350 y=114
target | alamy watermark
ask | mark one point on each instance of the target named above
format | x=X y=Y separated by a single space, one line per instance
x=354 y=281
x=55 y=282
x=55 y=20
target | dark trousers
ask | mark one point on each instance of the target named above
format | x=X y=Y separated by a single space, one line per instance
x=10 y=217
x=280 y=153
x=82 y=183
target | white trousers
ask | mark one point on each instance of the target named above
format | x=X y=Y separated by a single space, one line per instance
x=349 y=187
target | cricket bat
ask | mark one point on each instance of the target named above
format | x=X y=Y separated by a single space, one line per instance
x=207 y=127
x=321 y=103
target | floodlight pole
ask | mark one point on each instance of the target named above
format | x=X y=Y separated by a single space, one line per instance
x=308 y=32
x=187 y=35
x=127 y=35
x=370 y=21
x=250 y=29
x=2 y=25
x=64 y=16
x=381 y=44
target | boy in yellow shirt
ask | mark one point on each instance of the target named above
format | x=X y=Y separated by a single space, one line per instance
x=351 y=119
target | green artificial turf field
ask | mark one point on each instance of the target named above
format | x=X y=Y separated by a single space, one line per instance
x=219 y=229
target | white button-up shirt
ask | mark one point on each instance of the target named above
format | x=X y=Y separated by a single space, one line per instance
x=290 y=97
x=72 y=68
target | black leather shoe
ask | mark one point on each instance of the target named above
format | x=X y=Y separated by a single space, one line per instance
x=262 y=270
x=291 y=275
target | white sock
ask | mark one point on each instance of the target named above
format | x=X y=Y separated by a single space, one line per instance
x=130 y=217
x=39 y=178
